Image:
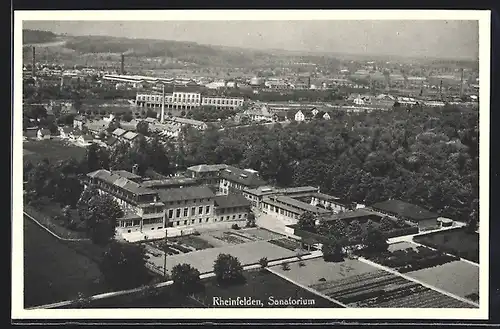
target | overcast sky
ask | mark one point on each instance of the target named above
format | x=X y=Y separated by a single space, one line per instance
x=445 y=39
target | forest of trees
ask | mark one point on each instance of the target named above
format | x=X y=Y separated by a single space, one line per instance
x=428 y=157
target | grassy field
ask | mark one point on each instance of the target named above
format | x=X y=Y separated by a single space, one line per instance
x=52 y=149
x=456 y=241
x=316 y=269
x=261 y=286
x=247 y=253
x=459 y=278
x=258 y=286
x=54 y=271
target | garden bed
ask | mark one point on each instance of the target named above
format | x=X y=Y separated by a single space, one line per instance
x=287 y=244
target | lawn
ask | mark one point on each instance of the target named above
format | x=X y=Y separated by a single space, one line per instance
x=193 y=241
x=52 y=149
x=459 y=278
x=455 y=241
x=316 y=269
x=258 y=286
x=247 y=253
x=46 y=216
x=261 y=234
x=53 y=271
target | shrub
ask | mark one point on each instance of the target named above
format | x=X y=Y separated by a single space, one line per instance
x=285 y=266
x=235 y=227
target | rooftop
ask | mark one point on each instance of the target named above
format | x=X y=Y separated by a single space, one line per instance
x=207 y=168
x=231 y=200
x=298 y=189
x=126 y=174
x=242 y=176
x=299 y=204
x=187 y=121
x=119 y=180
x=358 y=213
x=261 y=190
x=174 y=181
x=130 y=135
x=185 y=193
x=118 y=132
x=404 y=209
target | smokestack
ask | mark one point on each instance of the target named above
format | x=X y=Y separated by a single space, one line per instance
x=33 y=65
x=461 y=83
x=122 y=64
x=441 y=89
x=162 y=115
x=309 y=82
x=62 y=83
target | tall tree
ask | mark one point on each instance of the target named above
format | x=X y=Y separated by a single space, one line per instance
x=228 y=269
x=186 y=278
x=103 y=211
x=307 y=221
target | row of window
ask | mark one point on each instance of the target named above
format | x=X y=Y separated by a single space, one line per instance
x=281 y=211
x=240 y=216
x=223 y=101
x=231 y=210
x=185 y=212
x=187 y=222
x=187 y=201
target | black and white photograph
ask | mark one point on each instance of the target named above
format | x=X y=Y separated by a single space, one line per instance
x=257 y=164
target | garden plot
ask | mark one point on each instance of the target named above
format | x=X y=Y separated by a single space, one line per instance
x=459 y=278
x=261 y=234
x=230 y=237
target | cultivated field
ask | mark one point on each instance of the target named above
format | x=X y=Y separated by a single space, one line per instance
x=456 y=241
x=459 y=278
x=53 y=271
x=52 y=149
x=357 y=284
x=261 y=286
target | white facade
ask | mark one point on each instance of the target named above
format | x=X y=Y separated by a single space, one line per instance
x=299 y=116
x=185 y=100
x=222 y=102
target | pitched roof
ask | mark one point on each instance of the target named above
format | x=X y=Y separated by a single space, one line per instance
x=111 y=140
x=126 y=174
x=130 y=135
x=207 y=168
x=358 y=213
x=231 y=201
x=241 y=176
x=404 y=209
x=185 y=193
x=298 y=189
x=187 y=121
x=118 y=132
x=299 y=204
x=118 y=180
x=261 y=190
x=44 y=131
x=174 y=181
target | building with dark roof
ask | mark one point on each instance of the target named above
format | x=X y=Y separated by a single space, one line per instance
x=188 y=206
x=362 y=215
x=144 y=209
x=407 y=211
x=173 y=182
x=232 y=207
x=206 y=174
x=289 y=209
x=235 y=180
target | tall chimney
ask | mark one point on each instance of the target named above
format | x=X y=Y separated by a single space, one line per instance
x=441 y=89
x=461 y=83
x=33 y=64
x=309 y=82
x=122 y=64
x=162 y=116
x=62 y=83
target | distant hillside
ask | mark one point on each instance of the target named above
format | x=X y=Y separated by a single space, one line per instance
x=35 y=36
x=188 y=52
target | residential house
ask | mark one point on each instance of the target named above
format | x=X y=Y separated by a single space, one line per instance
x=280 y=116
x=231 y=208
x=259 y=114
x=326 y=116
x=79 y=121
x=86 y=139
x=118 y=133
x=43 y=134
x=66 y=132
x=31 y=132
x=206 y=174
x=299 y=116
x=314 y=111
x=95 y=127
x=129 y=137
